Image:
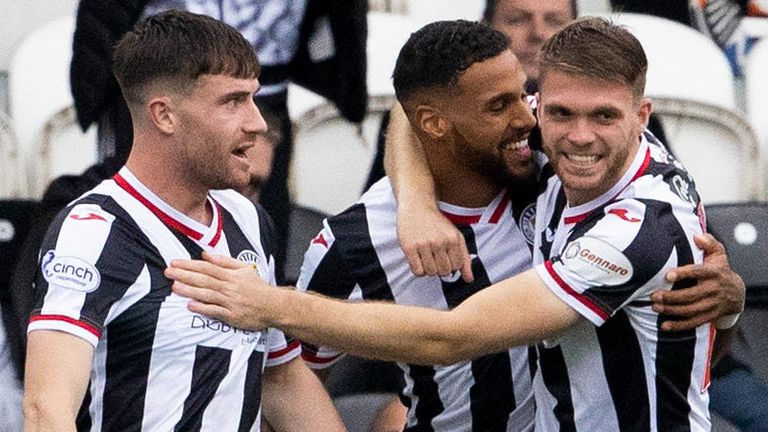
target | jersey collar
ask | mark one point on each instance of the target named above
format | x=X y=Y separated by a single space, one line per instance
x=467 y=216
x=173 y=218
x=572 y=215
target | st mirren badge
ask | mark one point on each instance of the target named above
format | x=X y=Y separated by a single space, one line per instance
x=252 y=257
x=527 y=223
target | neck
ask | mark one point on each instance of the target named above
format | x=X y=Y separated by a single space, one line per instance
x=162 y=174
x=458 y=184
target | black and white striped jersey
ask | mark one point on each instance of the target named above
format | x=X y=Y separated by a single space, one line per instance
x=616 y=370
x=357 y=256
x=156 y=366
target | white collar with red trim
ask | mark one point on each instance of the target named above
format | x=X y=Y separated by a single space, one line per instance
x=636 y=169
x=467 y=216
x=170 y=216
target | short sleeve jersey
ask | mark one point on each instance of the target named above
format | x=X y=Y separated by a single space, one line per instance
x=357 y=256
x=156 y=366
x=617 y=370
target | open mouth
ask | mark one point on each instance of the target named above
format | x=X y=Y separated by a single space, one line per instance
x=515 y=145
x=582 y=160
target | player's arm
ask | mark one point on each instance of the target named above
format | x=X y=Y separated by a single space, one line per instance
x=57 y=371
x=432 y=245
x=517 y=311
x=718 y=295
x=295 y=400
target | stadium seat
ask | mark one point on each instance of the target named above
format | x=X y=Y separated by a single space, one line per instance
x=743 y=229
x=332 y=157
x=691 y=85
x=426 y=11
x=756 y=88
x=59 y=148
x=11 y=181
x=40 y=97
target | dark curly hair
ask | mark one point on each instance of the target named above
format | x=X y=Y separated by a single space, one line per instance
x=438 y=53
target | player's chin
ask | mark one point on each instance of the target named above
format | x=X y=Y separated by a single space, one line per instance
x=520 y=170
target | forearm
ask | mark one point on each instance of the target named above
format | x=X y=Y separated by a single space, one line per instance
x=56 y=378
x=295 y=400
x=378 y=330
x=406 y=163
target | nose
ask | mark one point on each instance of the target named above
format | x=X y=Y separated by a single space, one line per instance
x=522 y=118
x=537 y=29
x=580 y=132
x=255 y=122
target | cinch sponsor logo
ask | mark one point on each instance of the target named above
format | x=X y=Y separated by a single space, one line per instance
x=601 y=262
x=70 y=272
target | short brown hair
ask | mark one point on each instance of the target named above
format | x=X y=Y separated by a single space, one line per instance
x=179 y=47
x=597 y=48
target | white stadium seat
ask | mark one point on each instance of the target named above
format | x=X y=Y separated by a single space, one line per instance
x=38 y=87
x=691 y=85
x=332 y=157
x=756 y=87
x=11 y=181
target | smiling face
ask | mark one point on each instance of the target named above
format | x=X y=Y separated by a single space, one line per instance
x=491 y=118
x=590 y=130
x=528 y=23
x=218 y=123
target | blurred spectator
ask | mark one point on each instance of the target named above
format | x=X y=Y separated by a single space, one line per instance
x=319 y=44
x=10 y=386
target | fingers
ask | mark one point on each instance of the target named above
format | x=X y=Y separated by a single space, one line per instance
x=692 y=271
x=192 y=273
x=203 y=268
x=709 y=244
x=209 y=310
x=414 y=262
x=701 y=307
x=202 y=295
x=687 y=324
x=224 y=261
x=680 y=296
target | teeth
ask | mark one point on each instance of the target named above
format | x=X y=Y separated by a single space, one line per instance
x=582 y=158
x=519 y=145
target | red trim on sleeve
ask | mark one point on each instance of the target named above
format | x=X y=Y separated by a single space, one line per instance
x=91 y=329
x=581 y=298
x=312 y=358
x=291 y=346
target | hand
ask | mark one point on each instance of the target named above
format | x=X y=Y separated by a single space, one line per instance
x=225 y=289
x=718 y=293
x=432 y=245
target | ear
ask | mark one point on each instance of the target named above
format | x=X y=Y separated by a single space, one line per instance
x=431 y=121
x=161 y=114
x=644 y=114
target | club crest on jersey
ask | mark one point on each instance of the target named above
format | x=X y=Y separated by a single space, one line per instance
x=527 y=223
x=70 y=272
x=252 y=257
x=597 y=262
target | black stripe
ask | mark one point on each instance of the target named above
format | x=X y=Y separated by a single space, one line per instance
x=429 y=404
x=675 y=350
x=625 y=373
x=84 y=421
x=492 y=396
x=210 y=367
x=331 y=276
x=555 y=376
x=361 y=257
x=131 y=335
x=252 y=400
